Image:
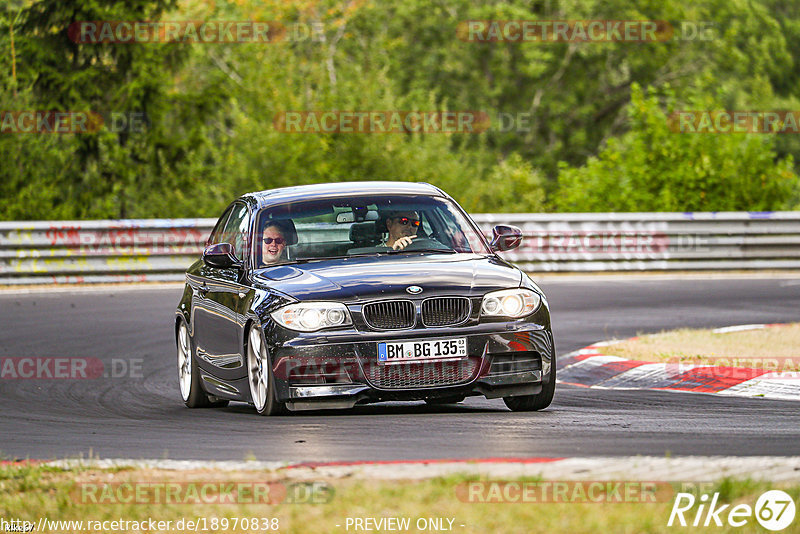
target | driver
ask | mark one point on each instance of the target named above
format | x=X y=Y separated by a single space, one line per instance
x=402 y=226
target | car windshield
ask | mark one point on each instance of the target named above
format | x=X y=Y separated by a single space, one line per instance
x=359 y=226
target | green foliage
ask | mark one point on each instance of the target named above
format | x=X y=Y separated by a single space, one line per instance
x=653 y=168
x=513 y=185
x=210 y=107
x=112 y=172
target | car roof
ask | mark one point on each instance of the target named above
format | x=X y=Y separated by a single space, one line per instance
x=314 y=191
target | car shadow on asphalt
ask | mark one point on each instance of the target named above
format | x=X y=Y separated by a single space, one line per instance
x=388 y=408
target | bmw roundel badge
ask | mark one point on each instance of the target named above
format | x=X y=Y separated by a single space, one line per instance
x=414 y=290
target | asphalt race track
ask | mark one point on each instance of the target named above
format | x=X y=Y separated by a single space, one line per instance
x=141 y=416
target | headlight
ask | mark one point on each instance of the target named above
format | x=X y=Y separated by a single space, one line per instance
x=312 y=316
x=510 y=303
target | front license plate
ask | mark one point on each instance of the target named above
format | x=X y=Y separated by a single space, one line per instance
x=435 y=349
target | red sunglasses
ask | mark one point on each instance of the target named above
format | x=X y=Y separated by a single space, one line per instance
x=278 y=240
x=405 y=220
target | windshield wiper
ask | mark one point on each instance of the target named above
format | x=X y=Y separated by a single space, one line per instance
x=367 y=254
x=362 y=255
x=323 y=258
x=290 y=262
x=437 y=250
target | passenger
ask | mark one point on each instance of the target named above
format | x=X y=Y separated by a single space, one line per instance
x=274 y=244
x=402 y=227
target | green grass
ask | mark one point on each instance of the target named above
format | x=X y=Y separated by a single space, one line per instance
x=774 y=349
x=30 y=492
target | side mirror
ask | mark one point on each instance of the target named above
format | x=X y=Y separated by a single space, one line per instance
x=221 y=256
x=505 y=238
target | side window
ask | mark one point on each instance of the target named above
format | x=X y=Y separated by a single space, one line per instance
x=235 y=231
x=426 y=223
x=453 y=235
x=218 y=231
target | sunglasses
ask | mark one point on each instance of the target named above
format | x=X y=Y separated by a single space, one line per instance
x=405 y=221
x=278 y=240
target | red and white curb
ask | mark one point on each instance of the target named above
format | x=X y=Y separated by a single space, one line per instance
x=648 y=468
x=595 y=366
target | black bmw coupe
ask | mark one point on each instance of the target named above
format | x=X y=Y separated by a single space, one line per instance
x=332 y=295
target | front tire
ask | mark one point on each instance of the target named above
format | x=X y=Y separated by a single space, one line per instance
x=540 y=401
x=260 y=377
x=188 y=375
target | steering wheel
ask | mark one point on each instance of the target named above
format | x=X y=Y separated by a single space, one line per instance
x=426 y=243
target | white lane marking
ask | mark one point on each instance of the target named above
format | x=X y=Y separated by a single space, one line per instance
x=782 y=386
x=627 y=468
x=608 y=343
x=738 y=328
x=100 y=288
x=171 y=465
x=792 y=278
x=649 y=468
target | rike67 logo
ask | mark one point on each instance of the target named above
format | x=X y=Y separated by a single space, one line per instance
x=774 y=510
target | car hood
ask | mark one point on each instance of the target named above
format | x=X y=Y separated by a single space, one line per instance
x=367 y=278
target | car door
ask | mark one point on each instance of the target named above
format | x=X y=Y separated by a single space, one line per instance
x=219 y=294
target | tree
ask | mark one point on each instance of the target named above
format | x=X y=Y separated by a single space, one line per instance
x=118 y=170
x=654 y=168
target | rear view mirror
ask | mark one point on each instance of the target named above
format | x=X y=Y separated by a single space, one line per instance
x=357 y=215
x=505 y=237
x=221 y=256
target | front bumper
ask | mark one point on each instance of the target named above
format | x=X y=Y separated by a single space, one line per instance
x=503 y=359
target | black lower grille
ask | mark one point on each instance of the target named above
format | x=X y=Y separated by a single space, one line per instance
x=515 y=362
x=421 y=374
x=390 y=314
x=445 y=311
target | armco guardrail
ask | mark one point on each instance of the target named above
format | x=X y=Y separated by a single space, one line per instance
x=654 y=241
x=161 y=249
x=100 y=251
